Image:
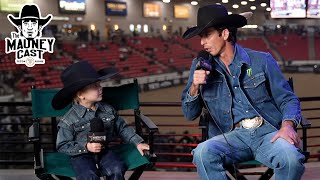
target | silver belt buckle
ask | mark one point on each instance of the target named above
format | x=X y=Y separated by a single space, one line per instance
x=252 y=123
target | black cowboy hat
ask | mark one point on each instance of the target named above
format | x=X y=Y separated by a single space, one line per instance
x=76 y=77
x=214 y=16
x=30 y=11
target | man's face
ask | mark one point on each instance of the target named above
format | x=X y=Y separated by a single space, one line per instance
x=30 y=28
x=212 y=41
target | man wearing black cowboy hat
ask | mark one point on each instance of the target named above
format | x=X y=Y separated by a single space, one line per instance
x=252 y=107
x=82 y=89
x=30 y=23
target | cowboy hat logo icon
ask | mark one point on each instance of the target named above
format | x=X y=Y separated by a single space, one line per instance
x=28 y=42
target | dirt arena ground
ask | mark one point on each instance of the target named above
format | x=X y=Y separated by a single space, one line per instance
x=305 y=85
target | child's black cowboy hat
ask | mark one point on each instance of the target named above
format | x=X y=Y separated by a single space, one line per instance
x=30 y=11
x=214 y=16
x=76 y=77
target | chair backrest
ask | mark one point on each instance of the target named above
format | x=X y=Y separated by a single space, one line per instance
x=41 y=103
x=120 y=97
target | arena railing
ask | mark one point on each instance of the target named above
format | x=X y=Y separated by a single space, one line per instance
x=173 y=143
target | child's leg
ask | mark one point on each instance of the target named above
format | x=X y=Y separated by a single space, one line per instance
x=112 y=166
x=85 y=167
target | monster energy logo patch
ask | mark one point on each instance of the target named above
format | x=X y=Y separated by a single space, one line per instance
x=249 y=72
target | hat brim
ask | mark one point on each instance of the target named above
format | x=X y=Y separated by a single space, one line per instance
x=232 y=20
x=41 y=22
x=66 y=94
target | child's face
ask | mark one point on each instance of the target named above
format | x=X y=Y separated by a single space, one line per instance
x=92 y=93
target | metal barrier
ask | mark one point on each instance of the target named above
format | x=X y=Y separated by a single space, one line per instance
x=172 y=148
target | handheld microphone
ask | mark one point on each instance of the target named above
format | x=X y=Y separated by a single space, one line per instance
x=97 y=134
x=204 y=63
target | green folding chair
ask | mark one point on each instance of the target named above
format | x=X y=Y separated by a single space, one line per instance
x=235 y=173
x=50 y=162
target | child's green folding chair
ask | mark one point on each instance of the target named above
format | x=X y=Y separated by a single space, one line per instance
x=48 y=162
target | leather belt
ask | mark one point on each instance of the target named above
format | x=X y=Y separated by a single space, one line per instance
x=250 y=123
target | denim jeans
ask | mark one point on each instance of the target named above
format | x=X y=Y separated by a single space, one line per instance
x=110 y=165
x=213 y=155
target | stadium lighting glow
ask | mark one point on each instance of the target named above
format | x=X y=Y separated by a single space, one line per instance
x=166 y=1
x=145 y=28
x=131 y=27
x=116 y=27
x=268 y=9
x=251 y=0
x=229 y=13
x=244 y=2
x=263 y=4
x=164 y=27
x=253 y=8
x=278 y=26
x=194 y=3
x=225 y=1
x=235 y=6
x=218 y=3
x=92 y=27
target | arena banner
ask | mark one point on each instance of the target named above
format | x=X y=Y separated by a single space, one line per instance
x=72 y=6
x=28 y=43
x=116 y=8
x=151 y=10
x=181 y=11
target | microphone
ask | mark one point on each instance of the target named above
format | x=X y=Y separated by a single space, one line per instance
x=204 y=63
x=97 y=134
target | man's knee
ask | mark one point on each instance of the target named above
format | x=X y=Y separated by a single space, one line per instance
x=205 y=154
x=292 y=160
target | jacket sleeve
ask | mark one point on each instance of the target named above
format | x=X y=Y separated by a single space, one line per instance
x=286 y=100
x=191 y=106
x=126 y=132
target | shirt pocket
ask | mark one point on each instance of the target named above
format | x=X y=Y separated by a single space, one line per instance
x=82 y=129
x=212 y=88
x=255 y=87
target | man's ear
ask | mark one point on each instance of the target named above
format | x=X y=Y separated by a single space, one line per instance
x=225 y=34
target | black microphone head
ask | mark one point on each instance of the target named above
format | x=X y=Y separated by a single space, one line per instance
x=96 y=125
x=203 y=54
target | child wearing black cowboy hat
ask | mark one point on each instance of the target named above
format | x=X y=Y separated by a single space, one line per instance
x=82 y=89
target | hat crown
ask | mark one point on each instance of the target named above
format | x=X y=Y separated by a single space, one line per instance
x=209 y=13
x=78 y=72
x=30 y=11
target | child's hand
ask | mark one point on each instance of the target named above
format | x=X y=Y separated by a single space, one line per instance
x=94 y=147
x=141 y=147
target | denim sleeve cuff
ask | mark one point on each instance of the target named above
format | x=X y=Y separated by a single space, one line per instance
x=294 y=118
x=191 y=98
x=136 y=139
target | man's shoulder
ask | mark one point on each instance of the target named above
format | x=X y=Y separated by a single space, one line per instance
x=258 y=56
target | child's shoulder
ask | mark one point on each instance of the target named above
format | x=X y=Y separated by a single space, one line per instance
x=68 y=117
x=107 y=107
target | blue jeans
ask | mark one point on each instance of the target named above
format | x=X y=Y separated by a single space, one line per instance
x=109 y=165
x=213 y=155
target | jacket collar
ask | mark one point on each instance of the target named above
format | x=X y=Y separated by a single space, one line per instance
x=81 y=110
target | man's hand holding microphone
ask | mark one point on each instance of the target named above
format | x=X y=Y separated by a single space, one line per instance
x=200 y=74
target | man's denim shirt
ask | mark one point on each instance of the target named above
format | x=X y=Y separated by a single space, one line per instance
x=263 y=84
x=75 y=125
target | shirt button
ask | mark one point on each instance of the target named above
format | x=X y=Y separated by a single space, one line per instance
x=236 y=87
x=239 y=101
x=229 y=95
x=82 y=127
x=228 y=111
x=79 y=150
x=234 y=76
x=247 y=111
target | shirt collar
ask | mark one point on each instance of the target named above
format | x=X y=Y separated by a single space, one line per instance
x=240 y=56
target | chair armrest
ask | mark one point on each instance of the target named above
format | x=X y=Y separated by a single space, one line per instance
x=34 y=132
x=305 y=123
x=148 y=122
